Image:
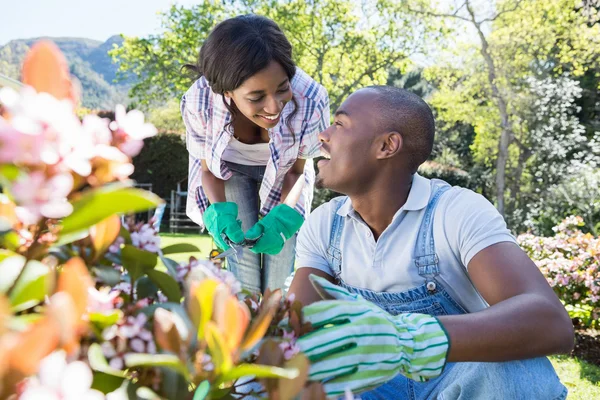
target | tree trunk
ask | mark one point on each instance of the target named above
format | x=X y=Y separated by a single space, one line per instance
x=506 y=135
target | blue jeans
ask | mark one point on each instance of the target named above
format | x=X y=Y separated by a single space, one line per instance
x=256 y=272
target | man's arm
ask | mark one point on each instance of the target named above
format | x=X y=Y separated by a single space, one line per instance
x=525 y=318
x=301 y=287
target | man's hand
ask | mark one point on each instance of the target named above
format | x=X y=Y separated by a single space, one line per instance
x=280 y=224
x=358 y=346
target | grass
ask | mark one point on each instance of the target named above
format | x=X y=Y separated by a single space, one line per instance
x=202 y=242
x=581 y=378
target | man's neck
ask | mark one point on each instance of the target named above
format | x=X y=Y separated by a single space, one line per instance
x=378 y=205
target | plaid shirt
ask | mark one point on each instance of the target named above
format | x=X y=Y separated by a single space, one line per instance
x=205 y=117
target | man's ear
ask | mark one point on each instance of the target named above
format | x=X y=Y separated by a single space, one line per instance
x=390 y=145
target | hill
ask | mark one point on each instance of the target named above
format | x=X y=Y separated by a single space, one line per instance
x=88 y=61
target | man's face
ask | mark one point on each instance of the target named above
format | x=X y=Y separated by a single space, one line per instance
x=261 y=97
x=349 y=146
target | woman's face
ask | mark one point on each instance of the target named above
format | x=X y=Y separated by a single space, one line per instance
x=261 y=97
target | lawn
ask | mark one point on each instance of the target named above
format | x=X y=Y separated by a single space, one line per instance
x=581 y=378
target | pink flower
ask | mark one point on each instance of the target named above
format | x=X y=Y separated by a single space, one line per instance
x=130 y=130
x=116 y=246
x=146 y=238
x=288 y=346
x=102 y=301
x=18 y=148
x=59 y=380
x=37 y=195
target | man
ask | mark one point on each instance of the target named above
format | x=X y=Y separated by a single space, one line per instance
x=422 y=280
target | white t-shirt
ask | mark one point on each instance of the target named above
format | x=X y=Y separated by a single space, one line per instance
x=464 y=224
x=246 y=154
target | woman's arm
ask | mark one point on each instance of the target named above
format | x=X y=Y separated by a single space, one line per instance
x=291 y=177
x=213 y=186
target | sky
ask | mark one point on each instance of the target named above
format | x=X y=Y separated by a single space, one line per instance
x=97 y=19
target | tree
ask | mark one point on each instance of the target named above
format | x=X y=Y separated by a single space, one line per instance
x=342 y=44
x=515 y=40
x=157 y=60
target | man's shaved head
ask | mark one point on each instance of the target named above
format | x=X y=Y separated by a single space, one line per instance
x=406 y=113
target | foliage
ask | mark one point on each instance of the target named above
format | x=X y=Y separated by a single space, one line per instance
x=342 y=44
x=577 y=194
x=452 y=175
x=163 y=163
x=167 y=119
x=570 y=261
x=485 y=83
x=85 y=308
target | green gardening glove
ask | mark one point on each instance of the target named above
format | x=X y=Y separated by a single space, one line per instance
x=280 y=224
x=221 y=219
x=357 y=345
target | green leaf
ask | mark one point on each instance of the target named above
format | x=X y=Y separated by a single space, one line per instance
x=171 y=265
x=180 y=248
x=124 y=233
x=167 y=285
x=157 y=360
x=9 y=172
x=10 y=266
x=31 y=288
x=145 y=393
x=202 y=391
x=99 y=363
x=137 y=261
x=9 y=240
x=21 y=323
x=4 y=254
x=174 y=385
x=104 y=320
x=98 y=204
x=107 y=274
x=71 y=237
x=145 y=287
x=259 y=371
x=106 y=383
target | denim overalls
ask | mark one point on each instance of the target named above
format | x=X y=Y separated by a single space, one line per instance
x=527 y=379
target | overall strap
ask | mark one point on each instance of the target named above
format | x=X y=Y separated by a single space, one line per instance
x=425 y=256
x=334 y=253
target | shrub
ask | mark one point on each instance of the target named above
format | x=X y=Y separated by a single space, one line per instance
x=570 y=261
x=163 y=162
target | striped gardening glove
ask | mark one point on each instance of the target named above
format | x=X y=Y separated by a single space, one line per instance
x=356 y=345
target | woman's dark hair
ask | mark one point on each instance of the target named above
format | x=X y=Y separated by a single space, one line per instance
x=238 y=48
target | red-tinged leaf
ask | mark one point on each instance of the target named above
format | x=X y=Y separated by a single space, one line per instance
x=104 y=233
x=76 y=281
x=33 y=345
x=62 y=309
x=261 y=323
x=290 y=388
x=314 y=391
x=232 y=318
x=46 y=70
x=167 y=331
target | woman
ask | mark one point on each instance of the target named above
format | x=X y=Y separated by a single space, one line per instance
x=252 y=121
